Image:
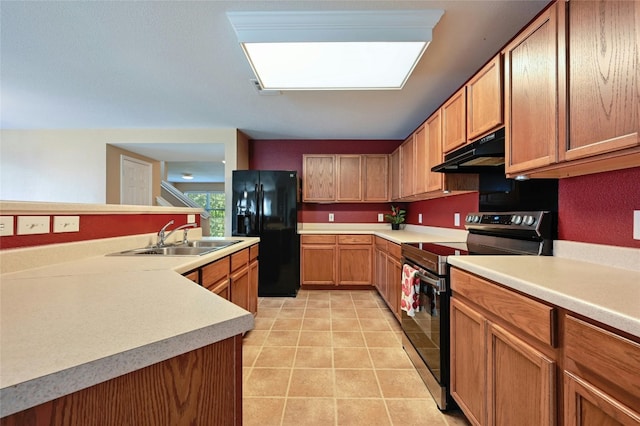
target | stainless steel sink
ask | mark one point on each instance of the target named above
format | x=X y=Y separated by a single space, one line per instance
x=167 y=251
x=192 y=248
x=211 y=243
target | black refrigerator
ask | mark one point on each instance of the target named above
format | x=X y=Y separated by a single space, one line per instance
x=265 y=205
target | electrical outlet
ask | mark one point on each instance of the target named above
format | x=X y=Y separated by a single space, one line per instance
x=28 y=225
x=191 y=218
x=66 y=224
x=380 y=217
x=419 y=217
x=456 y=219
x=636 y=224
x=6 y=226
x=331 y=217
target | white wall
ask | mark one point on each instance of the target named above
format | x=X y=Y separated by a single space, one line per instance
x=70 y=165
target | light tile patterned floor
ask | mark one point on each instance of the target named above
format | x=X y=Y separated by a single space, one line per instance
x=332 y=358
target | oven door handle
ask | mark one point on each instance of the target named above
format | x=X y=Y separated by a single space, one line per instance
x=436 y=284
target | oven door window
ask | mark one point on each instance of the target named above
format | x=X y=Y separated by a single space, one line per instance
x=423 y=330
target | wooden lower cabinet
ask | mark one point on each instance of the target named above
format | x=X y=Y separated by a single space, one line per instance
x=520 y=382
x=239 y=279
x=253 y=279
x=468 y=361
x=388 y=271
x=201 y=387
x=334 y=260
x=601 y=377
x=499 y=377
x=215 y=277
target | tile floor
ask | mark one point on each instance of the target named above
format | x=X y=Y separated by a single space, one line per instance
x=332 y=358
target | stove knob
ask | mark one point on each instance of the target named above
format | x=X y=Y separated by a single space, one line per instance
x=468 y=218
x=476 y=219
x=516 y=219
x=529 y=220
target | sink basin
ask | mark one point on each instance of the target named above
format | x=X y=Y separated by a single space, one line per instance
x=167 y=251
x=211 y=243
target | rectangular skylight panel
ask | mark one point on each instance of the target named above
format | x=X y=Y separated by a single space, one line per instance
x=334 y=65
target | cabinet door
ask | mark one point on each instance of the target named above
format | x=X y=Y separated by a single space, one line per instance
x=394 y=164
x=532 y=117
x=586 y=405
x=407 y=172
x=221 y=288
x=240 y=288
x=376 y=177
x=349 y=171
x=421 y=160
x=484 y=99
x=468 y=361
x=394 y=284
x=354 y=264
x=318 y=264
x=603 y=75
x=454 y=121
x=380 y=280
x=318 y=178
x=434 y=141
x=520 y=382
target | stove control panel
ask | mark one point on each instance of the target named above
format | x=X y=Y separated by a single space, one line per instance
x=502 y=220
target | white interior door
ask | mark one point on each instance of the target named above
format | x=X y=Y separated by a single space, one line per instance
x=135 y=181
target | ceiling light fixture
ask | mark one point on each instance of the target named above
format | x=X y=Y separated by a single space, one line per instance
x=346 y=50
x=187 y=176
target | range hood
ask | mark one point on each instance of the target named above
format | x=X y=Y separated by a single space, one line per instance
x=482 y=156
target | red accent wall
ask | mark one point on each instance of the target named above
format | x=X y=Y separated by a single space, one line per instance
x=440 y=211
x=97 y=226
x=287 y=155
x=599 y=208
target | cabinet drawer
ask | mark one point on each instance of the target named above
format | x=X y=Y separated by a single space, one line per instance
x=239 y=259
x=193 y=276
x=381 y=243
x=607 y=355
x=393 y=250
x=355 y=239
x=534 y=318
x=214 y=272
x=318 y=239
x=253 y=252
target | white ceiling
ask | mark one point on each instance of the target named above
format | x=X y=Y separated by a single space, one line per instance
x=177 y=64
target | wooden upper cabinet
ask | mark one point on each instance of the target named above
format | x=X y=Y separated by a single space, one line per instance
x=394 y=166
x=319 y=182
x=421 y=160
x=454 y=121
x=531 y=95
x=603 y=75
x=349 y=172
x=434 y=148
x=484 y=99
x=407 y=176
x=376 y=177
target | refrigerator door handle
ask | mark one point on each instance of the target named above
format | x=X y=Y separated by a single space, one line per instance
x=258 y=212
x=261 y=208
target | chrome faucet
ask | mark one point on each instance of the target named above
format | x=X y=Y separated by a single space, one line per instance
x=162 y=238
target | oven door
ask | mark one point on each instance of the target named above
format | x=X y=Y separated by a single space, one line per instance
x=427 y=335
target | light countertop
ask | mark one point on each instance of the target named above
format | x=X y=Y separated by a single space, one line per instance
x=409 y=233
x=71 y=325
x=605 y=294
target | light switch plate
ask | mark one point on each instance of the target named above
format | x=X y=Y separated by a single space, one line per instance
x=29 y=225
x=6 y=226
x=636 y=224
x=66 y=223
x=419 y=217
x=380 y=217
x=456 y=219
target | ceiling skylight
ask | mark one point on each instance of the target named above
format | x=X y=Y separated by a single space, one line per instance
x=349 y=50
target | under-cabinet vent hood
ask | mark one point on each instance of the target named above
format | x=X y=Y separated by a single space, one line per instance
x=484 y=155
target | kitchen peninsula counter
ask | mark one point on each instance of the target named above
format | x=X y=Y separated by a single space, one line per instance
x=71 y=325
x=602 y=293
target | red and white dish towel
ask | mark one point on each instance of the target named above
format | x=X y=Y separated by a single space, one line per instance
x=410 y=290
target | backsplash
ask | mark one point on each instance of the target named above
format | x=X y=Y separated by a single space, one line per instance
x=599 y=208
x=441 y=212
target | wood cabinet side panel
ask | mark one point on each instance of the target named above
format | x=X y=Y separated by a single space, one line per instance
x=394 y=171
x=198 y=387
x=434 y=180
x=421 y=159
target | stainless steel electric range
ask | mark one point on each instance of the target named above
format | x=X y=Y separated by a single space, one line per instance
x=426 y=334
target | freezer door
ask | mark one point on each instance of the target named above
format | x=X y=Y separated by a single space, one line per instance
x=245 y=203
